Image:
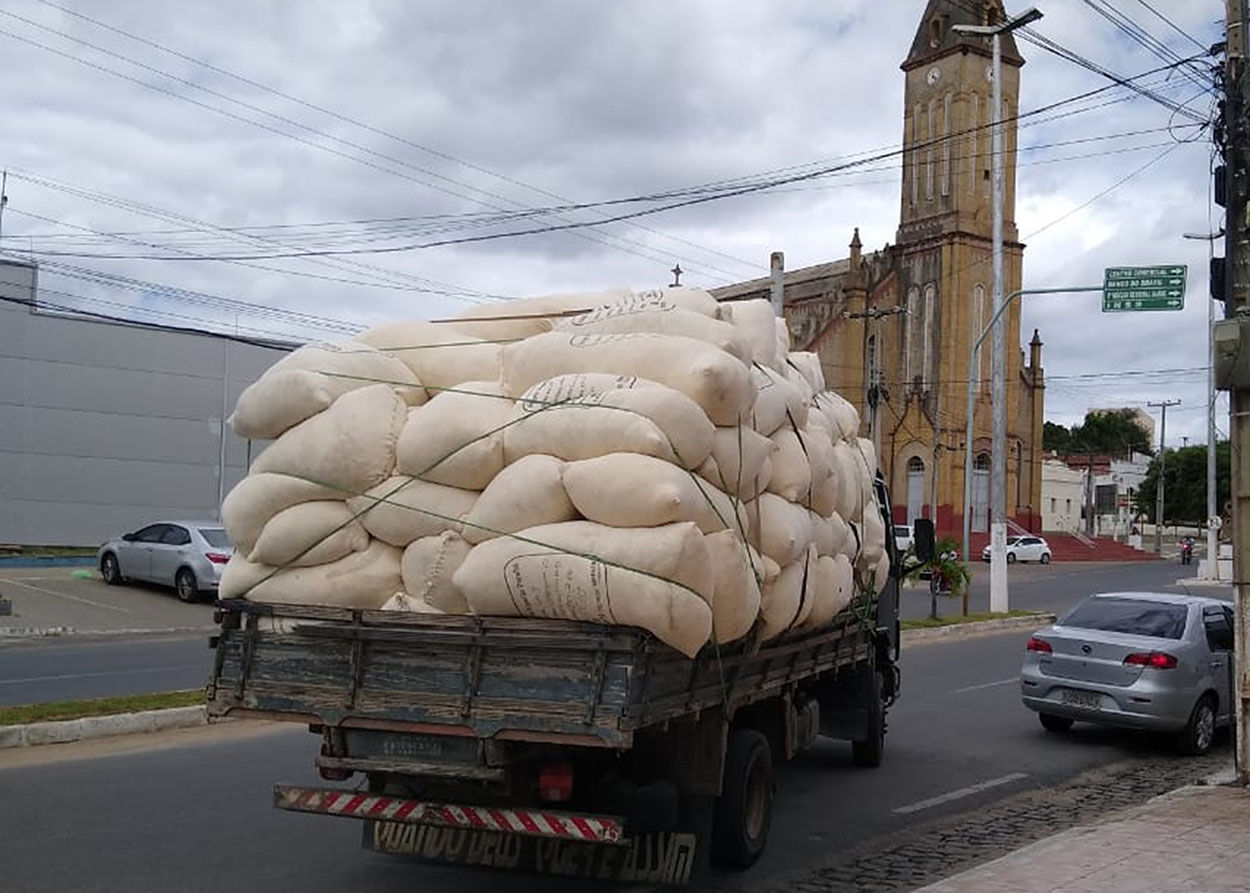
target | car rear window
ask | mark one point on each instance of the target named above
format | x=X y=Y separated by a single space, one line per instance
x=216 y=537
x=1129 y=615
x=902 y=531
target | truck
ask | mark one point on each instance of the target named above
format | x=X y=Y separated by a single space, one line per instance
x=558 y=747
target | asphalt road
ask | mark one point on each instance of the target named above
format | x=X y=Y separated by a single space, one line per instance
x=197 y=816
x=33 y=672
x=1057 y=587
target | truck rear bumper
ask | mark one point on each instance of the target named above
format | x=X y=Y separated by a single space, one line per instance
x=542 y=823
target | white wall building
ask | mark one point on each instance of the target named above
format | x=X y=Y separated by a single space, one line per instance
x=1063 y=490
x=107 y=426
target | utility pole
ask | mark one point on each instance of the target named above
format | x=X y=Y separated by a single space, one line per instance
x=998 y=452
x=777 y=291
x=1236 y=293
x=4 y=199
x=1163 y=465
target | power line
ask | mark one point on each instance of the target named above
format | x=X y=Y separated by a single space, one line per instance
x=434 y=286
x=698 y=197
x=1143 y=38
x=347 y=231
x=1172 y=25
x=361 y=124
x=638 y=249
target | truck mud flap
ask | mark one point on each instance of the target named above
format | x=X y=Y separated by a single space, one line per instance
x=667 y=858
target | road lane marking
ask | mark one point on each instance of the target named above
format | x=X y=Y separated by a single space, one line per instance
x=961 y=793
x=134 y=672
x=959 y=691
x=73 y=598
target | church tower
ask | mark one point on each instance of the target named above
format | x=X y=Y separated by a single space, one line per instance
x=893 y=328
x=943 y=262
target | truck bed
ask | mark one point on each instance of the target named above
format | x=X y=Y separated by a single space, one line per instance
x=498 y=677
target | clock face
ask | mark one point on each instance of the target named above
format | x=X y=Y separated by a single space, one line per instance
x=933 y=75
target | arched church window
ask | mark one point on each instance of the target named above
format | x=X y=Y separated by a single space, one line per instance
x=926 y=363
x=910 y=333
x=979 y=319
x=915 y=488
x=973 y=161
x=981 y=462
x=915 y=154
x=930 y=139
x=946 y=144
x=935 y=32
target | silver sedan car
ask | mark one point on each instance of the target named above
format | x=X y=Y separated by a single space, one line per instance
x=187 y=555
x=1142 y=660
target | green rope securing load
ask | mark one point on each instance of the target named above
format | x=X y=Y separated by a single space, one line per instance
x=651 y=459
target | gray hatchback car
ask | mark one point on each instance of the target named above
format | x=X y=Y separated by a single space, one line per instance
x=1142 y=660
x=187 y=555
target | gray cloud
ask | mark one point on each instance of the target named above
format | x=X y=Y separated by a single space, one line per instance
x=589 y=101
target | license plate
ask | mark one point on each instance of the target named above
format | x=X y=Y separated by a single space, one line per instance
x=1089 y=700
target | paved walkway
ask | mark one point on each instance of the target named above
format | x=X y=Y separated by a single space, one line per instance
x=1193 y=839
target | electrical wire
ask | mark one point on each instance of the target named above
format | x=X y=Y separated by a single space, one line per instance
x=455 y=189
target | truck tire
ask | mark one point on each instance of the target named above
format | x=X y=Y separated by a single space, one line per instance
x=744 y=810
x=870 y=751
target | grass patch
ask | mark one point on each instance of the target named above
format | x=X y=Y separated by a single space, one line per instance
x=929 y=623
x=24 y=713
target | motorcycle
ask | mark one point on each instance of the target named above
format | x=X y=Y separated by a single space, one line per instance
x=1187 y=552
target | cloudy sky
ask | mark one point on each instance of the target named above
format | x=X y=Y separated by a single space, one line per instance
x=152 y=135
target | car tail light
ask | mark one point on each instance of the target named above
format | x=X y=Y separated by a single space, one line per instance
x=1159 y=660
x=217 y=557
x=1041 y=646
x=555 y=782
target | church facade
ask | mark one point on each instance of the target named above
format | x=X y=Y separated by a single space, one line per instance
x=894 y=328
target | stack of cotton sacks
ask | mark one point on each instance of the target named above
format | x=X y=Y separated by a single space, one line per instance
x=652 y=459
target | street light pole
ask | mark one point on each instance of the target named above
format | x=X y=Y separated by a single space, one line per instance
x=970 y=409
x=1163 y=464
x=998 y=452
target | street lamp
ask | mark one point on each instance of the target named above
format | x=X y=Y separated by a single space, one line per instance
x=998 y=456
x=1213 y=508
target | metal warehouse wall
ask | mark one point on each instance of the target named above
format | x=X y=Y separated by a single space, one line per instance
x=105 y=427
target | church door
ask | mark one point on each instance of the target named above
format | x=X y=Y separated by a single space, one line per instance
x=915 y=488
x=981 y=493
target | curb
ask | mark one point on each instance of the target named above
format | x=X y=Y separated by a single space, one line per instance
x=1033 y=852
x=34 y=632
x=64 y=731
x=13 y=632
x=26 y=561
x=977 y=628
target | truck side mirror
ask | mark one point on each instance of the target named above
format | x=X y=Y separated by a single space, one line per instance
x=924 y=541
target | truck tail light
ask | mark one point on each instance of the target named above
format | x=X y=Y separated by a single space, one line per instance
x=217 y=557
x=555 y=783
x=1041 y=646
x=1159 y=660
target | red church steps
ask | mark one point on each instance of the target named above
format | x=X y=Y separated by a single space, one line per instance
x=1065 y=547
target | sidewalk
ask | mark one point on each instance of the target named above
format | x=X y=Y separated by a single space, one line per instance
x=1193 y=839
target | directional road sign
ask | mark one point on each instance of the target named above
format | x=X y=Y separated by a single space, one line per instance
x=1143 y=288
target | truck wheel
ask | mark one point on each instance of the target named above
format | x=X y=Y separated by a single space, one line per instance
x=869 y=752
x=744 y=810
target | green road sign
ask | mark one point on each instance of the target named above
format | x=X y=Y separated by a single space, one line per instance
x=1143 y=288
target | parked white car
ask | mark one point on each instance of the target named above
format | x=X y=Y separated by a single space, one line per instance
x=1023 y=548
x=903 y=537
